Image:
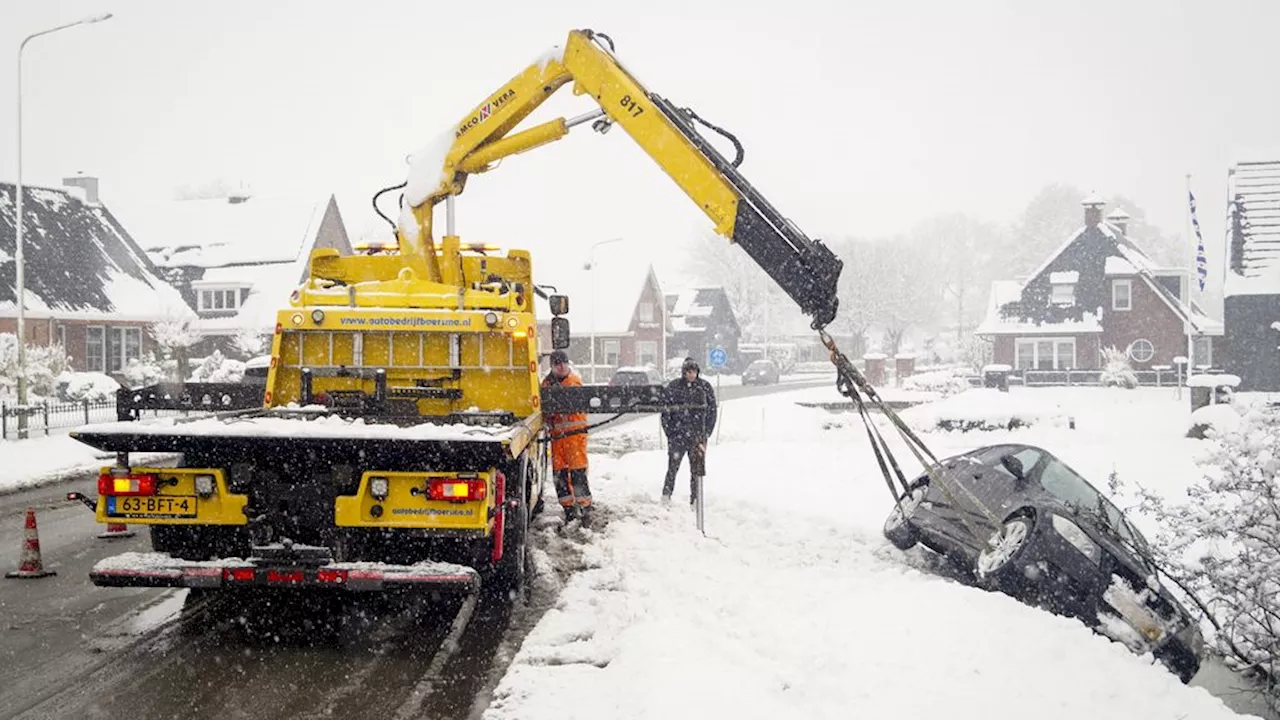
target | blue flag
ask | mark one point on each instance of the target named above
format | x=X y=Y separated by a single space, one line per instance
x=1202 y=263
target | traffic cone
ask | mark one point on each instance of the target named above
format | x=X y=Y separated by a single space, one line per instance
x=116 y=530
x=31 y=565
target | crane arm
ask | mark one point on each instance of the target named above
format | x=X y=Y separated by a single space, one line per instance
x=804 y=268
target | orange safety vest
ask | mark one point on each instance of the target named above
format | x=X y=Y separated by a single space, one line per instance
x=568 y=452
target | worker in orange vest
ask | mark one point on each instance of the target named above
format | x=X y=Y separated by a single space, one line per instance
x=569 y=446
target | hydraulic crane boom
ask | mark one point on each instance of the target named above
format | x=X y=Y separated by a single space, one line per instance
x=805 y=268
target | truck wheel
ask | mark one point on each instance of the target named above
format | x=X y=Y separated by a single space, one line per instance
x=509 y=574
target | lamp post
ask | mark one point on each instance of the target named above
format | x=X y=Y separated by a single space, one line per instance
x=591 y=268
x=20 y=279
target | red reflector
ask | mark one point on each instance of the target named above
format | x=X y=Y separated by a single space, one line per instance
x=335 y=577
x=451 y=489
x=284 y=576
x=109 y=484
x=238 y=574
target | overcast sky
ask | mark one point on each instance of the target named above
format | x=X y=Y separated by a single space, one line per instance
x=858 y=118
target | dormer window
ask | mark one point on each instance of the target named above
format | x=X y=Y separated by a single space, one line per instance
x=1063 y=286
x=217 y=299
x=1122 y=294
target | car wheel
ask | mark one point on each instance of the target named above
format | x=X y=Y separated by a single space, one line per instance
x=897 y=527
x=1003 y=549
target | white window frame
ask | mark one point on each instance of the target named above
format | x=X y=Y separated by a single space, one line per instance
x=217 y=298
x=1202 y=343
x=101 y=365
x=1070 y=298
x=611 y=351
x=1034 y=344
x=1127 y=284
x=649 y=348
x=646 y=312
x=1134 y=357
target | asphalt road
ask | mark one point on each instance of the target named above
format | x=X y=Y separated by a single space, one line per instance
x=70 y=649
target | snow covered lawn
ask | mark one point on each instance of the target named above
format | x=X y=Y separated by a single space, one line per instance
x=795 y=606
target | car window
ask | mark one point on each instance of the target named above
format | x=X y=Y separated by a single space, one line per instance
x=1063 y=483
x=1027 y=456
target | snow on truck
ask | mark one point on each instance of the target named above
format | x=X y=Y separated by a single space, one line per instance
x=399 y=440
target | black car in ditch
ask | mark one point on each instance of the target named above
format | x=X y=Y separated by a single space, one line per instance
x=1026 y=524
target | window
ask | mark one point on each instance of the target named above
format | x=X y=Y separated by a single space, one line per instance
x=222 y=299
x=123 y=344
x=1027 y=456
x=1063 y=483
x=1045 y=354
x=1141 y=350
x=611 y=350
x=95 y=349
x=1122 y=294
x=647 y=352
x=1063 y=294
x=646 y=312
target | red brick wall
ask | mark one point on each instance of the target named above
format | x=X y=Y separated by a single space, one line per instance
x=1150 y=318
x=646 y=331
x=44 y=331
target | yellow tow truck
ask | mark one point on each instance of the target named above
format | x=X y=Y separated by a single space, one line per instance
x=399 y=441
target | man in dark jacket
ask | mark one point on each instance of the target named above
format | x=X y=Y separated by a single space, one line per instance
x=687 y=430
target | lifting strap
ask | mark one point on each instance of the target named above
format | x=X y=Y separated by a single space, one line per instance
x=852 y=384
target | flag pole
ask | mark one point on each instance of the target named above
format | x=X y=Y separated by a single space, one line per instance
x=1191 y=271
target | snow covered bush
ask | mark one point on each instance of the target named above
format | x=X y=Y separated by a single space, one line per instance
x=1224 y=544
x=986 y=409
x=44 y=365
x=946 y=382
x=141 y=373
x=91 y=386
x=217 y=368
x=1116 y=371
x=250 y=342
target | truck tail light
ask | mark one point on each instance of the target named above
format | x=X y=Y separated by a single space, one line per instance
x=326 y=576
x=457 y=490
x=238 y=574
x=109 y=484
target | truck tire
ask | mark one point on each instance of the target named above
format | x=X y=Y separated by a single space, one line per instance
x=508 y=575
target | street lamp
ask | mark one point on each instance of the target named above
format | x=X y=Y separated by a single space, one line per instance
x=591 y=281
x=20 y=289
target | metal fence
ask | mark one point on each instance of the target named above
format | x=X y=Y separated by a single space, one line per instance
x=45 y=417
x=1081 y=378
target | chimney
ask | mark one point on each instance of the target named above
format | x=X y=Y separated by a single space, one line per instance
x=1092 y=210
x=1120 y=219
x=87 y=183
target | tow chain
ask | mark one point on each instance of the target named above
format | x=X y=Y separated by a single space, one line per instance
x=853 y=384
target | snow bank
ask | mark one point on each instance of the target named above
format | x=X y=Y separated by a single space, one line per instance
x=91 y=386
x=987 y=409
x=43 y=460
x=1220 y=417
x=944 y=382
x=1213 y=381
x=319 y=426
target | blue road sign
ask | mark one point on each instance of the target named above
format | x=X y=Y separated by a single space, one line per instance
x=717 y=357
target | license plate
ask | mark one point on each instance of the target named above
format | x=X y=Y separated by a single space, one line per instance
x=160 y=506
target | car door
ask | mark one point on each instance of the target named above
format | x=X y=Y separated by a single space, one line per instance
x=989 y=492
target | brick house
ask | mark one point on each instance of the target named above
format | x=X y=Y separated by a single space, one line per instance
x=702 y=318
x=89 y=287
x=618 y=302
x=236 y=259
x=1098 y=290
x=1251 y=288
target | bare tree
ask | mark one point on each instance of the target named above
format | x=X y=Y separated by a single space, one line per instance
x=904 y=279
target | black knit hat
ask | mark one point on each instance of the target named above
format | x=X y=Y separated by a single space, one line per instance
x=559 y=356
x=690 y=363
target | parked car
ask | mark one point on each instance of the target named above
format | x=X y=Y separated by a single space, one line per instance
x=1026 y=524
x=761 y=372
x=636 y=376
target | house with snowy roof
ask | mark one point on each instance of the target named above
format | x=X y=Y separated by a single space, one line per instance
x=89 y=287
x=236 y=259
x=1251 y=287
x=703 y=318
x=1098 y=290
x=615 y=303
